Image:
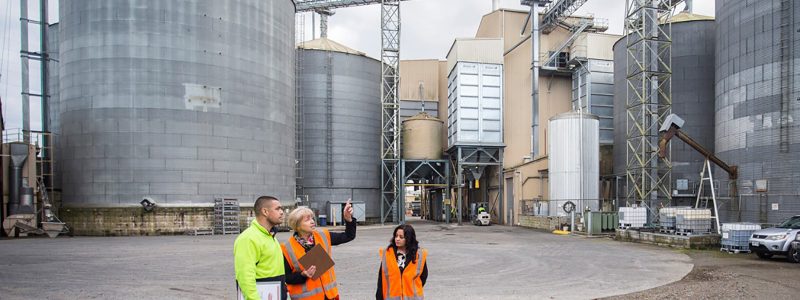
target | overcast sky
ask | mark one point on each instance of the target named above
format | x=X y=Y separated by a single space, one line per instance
x=428 y=29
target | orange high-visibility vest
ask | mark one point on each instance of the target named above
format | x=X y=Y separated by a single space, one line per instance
x=325 y=285
x=405 y=285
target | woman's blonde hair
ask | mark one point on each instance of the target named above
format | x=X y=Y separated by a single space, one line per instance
x=298 y=215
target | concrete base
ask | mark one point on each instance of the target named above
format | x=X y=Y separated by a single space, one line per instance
x=705 y=241
x=131 y=221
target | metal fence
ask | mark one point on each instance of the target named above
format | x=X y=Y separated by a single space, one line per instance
x=563 y=207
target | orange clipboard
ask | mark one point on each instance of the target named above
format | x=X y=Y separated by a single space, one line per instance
x=317 y=257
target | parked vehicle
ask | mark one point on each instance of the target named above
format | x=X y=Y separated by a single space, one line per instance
x=779 y=240
x=794 y=251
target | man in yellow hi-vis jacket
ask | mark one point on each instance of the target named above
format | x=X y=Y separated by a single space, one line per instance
x=257 y=253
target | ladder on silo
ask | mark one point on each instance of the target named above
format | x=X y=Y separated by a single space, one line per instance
x=226 y=216
x=786 y=28
x=298 y=106
x=329 y=119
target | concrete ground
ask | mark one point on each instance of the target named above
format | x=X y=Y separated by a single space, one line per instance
x=466 y=262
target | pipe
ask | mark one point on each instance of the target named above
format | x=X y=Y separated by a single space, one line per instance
x=688 y=7
x=495 y=4
x=732 y=170
x=535 y=44
x=25 y=83
x=44 y=75
x=19 y=154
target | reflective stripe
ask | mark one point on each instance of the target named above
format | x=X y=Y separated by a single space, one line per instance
x=295 y=262
x=331 y=285
x=420 y=257
x=293 y=256
x=327 y=243
x=306 y=294
x=386 y=276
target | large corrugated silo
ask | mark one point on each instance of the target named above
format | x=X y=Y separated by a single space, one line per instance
x=757 y=107
x=692 y=100
x=178 y=101
x=341 y=111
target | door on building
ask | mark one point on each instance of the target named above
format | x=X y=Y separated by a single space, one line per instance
x=509 y=207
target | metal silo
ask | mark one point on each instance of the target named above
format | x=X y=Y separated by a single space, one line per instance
x=341 y=126
x=757 y=113
x=178 y=101
x=692 y=99
x=422 y=137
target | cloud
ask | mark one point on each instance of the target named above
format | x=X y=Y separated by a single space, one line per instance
x=430 y=26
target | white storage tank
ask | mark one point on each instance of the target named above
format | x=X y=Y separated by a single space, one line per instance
x=574 y=164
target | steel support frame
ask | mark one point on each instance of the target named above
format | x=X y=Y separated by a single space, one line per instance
x=437 y=172
x=465 y=158
x=390 y=112
x=648 y=99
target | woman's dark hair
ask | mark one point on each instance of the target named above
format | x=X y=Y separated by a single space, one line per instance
x=411 y=241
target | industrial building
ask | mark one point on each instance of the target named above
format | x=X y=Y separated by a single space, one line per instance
x=498 y=42
x=162 y=113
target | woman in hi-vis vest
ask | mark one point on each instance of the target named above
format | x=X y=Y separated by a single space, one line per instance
x=404 y=267
x=298 y=279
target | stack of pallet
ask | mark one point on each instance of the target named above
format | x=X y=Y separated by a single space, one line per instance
x=226 y=216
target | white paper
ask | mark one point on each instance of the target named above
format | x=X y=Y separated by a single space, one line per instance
x=267 y=290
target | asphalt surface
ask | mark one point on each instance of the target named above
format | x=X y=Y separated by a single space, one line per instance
x=464 y=262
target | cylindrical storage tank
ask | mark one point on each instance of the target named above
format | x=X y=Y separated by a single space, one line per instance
x=422 y=137
x=178 y=101
x=574 y=164
x=341 y=126
x=757 y=108
x=692 y=100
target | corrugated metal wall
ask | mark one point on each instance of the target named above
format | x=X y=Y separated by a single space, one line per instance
x=180 y=101
x=593 y=90
x=475 y=105
x=341 y=129
x=756 y=88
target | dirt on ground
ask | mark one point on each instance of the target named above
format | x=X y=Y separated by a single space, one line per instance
x=722 y=275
